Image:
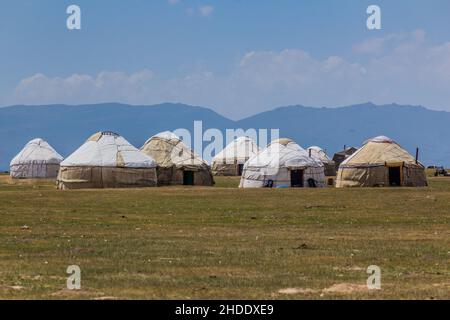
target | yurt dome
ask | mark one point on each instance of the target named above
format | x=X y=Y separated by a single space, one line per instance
x=283 y=164
x=36 y=160
x=230 y=161
x=107 y=160
x=381 y=162
x=177 y=163
x=320 y=154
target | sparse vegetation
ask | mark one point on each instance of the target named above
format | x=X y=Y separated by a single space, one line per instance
x=223 y=242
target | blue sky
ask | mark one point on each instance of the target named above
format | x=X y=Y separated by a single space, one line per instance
x=237 y=57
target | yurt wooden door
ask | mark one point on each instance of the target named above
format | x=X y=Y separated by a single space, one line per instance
x=297 y=178
x=240 y=168
x=395 y=176
x=188 y=178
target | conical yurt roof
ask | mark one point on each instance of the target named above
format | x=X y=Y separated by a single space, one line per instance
x=241 y=149
x=168 y=150
x=283 y=152
x=37 y=150
x=108 y=149
x=319 y=153
x=379 y=151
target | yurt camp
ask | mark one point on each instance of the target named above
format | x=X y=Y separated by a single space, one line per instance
x=107 y=160
x=283 y=164
x=381 y=162
x=319 y=153
x=36 y=160
x=230 y=161
x=177 y=164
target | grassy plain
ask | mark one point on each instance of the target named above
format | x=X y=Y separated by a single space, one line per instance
x=223 y=242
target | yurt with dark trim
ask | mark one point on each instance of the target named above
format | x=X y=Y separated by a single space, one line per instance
x=320 y=154
x=283 y=164
x=37 y=160
x=107 y=160
x=230 y=161
x=381 y=162
x=340 y=156
x=177 y=163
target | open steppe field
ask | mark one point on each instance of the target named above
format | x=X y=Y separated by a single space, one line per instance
x=223 y=242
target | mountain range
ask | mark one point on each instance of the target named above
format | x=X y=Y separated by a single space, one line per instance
x=67 y=127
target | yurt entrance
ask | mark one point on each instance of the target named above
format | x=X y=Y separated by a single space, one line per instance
x=188 y=178
x=395 y=177
x=240 y=168
x=297 y=178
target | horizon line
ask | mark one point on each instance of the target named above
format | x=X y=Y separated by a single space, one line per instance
x=363 y=104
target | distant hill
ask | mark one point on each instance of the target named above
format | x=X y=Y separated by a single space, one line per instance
x=332 y=128
x=67 y=127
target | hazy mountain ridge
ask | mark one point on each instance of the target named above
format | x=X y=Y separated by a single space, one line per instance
x=67 y=127
x=331 y=128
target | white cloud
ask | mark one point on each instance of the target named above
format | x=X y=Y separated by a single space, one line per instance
x=374 y=45
x=394 y=41
x=406 y=70
x=206 y=10
x=84 y=88
x=173 y=2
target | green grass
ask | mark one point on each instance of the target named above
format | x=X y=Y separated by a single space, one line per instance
x=223 y=242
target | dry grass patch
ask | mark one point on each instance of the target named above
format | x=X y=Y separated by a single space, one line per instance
x=224 y=242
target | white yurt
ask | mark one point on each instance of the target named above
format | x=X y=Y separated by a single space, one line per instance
x=230 y=161
x=177 y=163
x=107 y=160
x=319 y=153
x=36 y=160
x=283 y=164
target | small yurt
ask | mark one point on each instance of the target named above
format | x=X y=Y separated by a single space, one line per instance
x=107 y=160
x=36 y=160
x=177 y=164
x=230 y=161
x=381 y=162
x=283 y=164
x=319 y=153
x=340 y=156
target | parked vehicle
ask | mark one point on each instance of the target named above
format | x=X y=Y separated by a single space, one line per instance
x=440 y=171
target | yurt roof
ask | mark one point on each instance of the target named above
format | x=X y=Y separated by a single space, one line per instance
x=241 y=148
x=282 y=141
x=283 y=153
x=108 y=149
x=380 y=139
x=37 y=150
x=347 y=151
x=319 y=153
x=168 y=150
x=166 y=135
x=379 y=150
